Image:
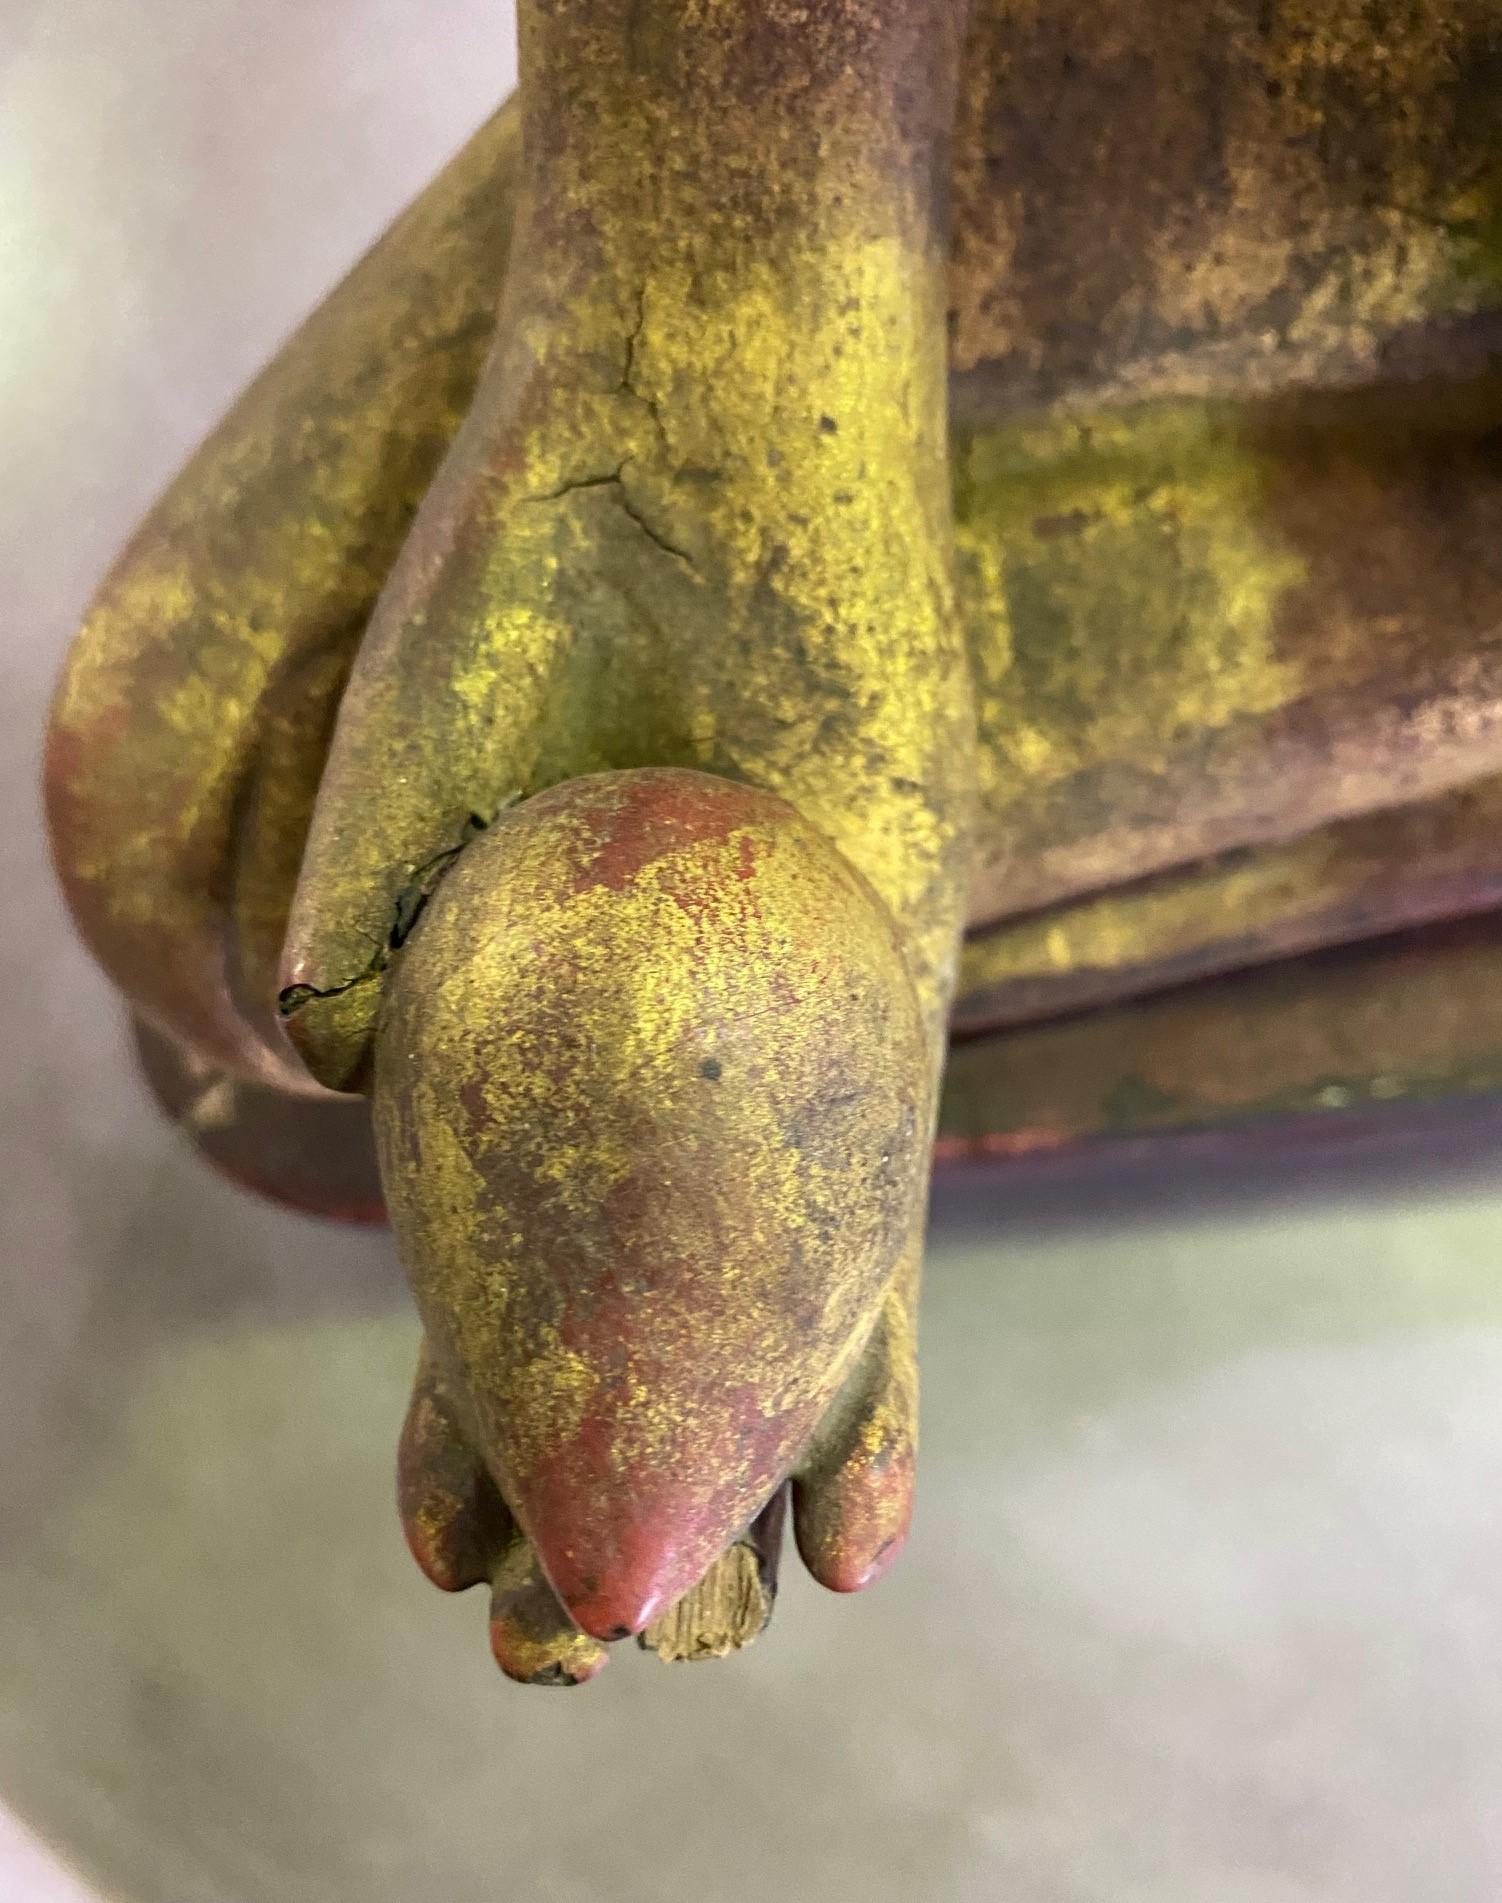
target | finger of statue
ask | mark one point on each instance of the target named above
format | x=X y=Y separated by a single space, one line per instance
x=853 y=1499
x=454 y=1519
x=532 y=1638
x=461 y=1533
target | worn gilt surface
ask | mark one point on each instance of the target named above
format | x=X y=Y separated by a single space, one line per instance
x=804 y=480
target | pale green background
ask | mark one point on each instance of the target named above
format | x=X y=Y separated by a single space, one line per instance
x=1203 y=1601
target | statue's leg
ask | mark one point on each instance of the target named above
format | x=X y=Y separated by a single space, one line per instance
x=189 y=728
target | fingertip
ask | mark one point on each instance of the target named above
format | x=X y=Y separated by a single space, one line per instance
x=451 y=1516
x=532 y=1639
x=571 y=1658
x=851 y=1524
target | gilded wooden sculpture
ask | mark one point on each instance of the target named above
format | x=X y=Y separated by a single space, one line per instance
x=810 y=480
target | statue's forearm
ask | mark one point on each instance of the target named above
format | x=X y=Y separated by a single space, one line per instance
x=699 y=122
x=741 y=213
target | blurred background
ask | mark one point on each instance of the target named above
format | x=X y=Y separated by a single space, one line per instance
x=1204 y=1598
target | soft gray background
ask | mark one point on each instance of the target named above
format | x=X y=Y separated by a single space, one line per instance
x=1203 y=1601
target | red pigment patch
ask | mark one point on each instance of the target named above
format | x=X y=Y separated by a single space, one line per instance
x=641 y=817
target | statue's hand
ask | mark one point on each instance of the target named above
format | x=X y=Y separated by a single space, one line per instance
x=853 y=1500
x=461 y=1534
x=652 y=1102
